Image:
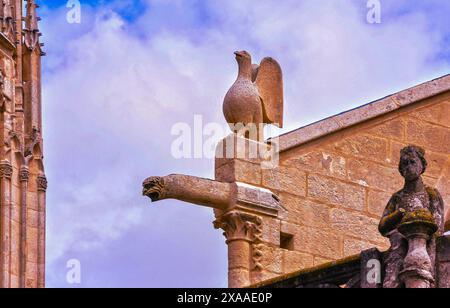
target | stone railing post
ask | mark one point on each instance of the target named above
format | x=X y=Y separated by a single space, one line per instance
x=417 y=227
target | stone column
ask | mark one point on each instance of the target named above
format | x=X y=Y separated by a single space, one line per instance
x=6 y=171
x=42 y=189
x=241 y=231
x=24 y=175
x=417 y=227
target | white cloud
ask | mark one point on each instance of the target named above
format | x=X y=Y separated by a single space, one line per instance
x=113 y=90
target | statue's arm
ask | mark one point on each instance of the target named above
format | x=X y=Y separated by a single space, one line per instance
x=391 y=218
x=189 y=189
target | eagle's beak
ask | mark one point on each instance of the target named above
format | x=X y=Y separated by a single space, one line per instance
x=238 y=54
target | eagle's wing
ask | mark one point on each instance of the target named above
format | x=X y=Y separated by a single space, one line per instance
x=255 y=70
x=269 y=81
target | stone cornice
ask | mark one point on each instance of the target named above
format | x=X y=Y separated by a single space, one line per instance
x=362 y=114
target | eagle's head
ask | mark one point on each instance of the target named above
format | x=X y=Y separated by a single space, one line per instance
x=243 y=56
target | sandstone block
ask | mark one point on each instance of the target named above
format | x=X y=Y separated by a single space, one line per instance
x=375 y=176
x=239 y=171
x=392 y=129
x=355 y=225
x=319 y=261
x=306 y=212
x=432 y=137
x=364 y=146
x=318 y=242
x=336 y=192
x=353 y=247
x=294 y=261
x=287 y=179
x=377 y=201
x=272 y=259
x=320 y=161
x=437 y=114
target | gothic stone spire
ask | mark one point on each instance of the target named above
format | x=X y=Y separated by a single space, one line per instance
x=7 y=19
x=31 y=31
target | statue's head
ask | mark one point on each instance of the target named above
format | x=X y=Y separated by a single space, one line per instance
x=412 y=162
x=243 y=57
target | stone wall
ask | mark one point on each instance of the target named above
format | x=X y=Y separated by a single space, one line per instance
x=333 y=189
x=22 y=179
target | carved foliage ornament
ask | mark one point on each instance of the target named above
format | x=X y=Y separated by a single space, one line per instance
x=6 y=169
x=24 y=174
x=42 y=183
x=239 y=226
x=242 y=226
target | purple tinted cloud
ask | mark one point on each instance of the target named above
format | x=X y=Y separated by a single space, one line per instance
x=114 y=87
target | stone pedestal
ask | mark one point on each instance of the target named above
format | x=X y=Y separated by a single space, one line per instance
x=417 y=227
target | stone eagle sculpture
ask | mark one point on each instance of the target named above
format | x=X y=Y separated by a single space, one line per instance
x=256 y=97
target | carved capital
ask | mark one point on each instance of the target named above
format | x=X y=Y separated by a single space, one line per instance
x=24 y=174
x=41 y=183
x=6 y=169
x=239 y=226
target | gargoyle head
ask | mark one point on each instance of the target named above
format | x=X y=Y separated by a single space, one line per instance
x=153 y=187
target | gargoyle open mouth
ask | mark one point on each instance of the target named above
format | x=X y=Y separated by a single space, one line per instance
x=153 y=188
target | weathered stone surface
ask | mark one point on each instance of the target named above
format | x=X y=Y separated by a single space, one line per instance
x=272 y=259
x=319 y=161
x=366 y=112
x=423 y=91
x=364 y=146
x=238 y=255
x=270 y=228
x=319 y=261
x=443 y=257
x=287 y=179
x=318 y=242
x=306 y=212
x=437 y=114
x=374 y=175
x=336 y=192
x=354 y=247
x=393 y=129
x=356 y=225
x=294 y=261
x=239 y=171
x=377 y=201
x=238 y=278
x=430 y=136
x=32 y=244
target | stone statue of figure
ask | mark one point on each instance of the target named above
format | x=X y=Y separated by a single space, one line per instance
x=414 y=195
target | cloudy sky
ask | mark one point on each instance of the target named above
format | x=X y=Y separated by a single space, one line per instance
x=117 y=82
